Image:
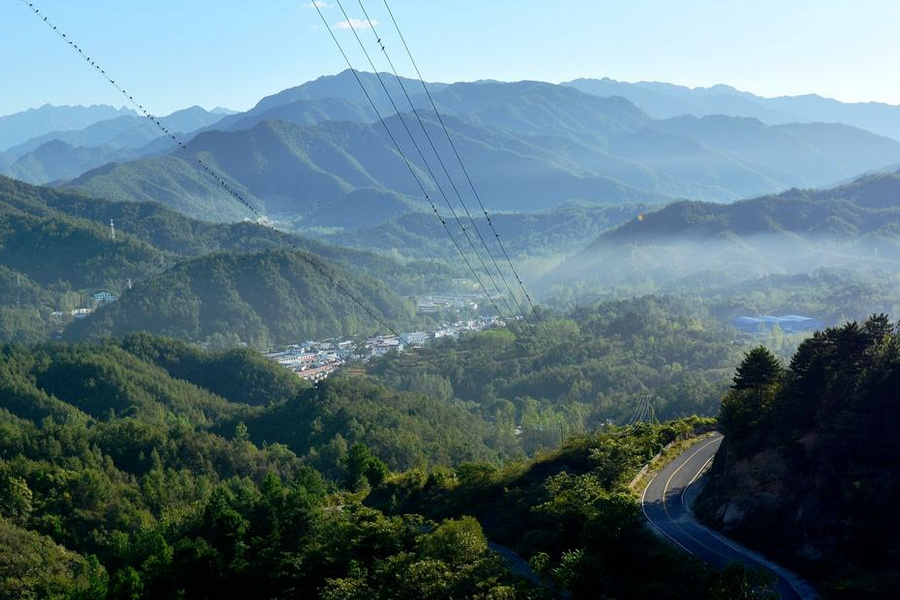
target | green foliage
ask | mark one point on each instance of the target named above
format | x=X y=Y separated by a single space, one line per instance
x=401 y=428
x=820 y=439
x=265 y=298
x=113 y=484
x=363 y=468
x=759 y=369
x=580 y=371
x=239 y=375
x=569 y=513
x=55 y=251
x=455 y=542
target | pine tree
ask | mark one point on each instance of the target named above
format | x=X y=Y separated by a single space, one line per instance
x=758 y=370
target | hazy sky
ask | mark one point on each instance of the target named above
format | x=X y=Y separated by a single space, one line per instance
x=170 y=54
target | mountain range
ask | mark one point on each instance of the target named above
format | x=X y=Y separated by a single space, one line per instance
x=20 y=127
x=67 y=153
x=56 y=249
x=665 y=100
x=692 y=244
x=303 y=153
x=529 y=145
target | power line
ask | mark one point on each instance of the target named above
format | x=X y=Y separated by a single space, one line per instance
x=462 y=165
x=261 y=219
x=443 y=165
x=422 y=156
x=400 y=150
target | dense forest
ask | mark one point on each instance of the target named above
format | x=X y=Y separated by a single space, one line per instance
x=147 y=468
x=574 y=373
x=264 y=298
x=56 y=251
x=808 y=468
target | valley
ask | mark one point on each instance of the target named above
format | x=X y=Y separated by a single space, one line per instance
x=522 y=331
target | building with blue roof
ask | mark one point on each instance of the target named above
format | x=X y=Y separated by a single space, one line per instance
x=786 y=323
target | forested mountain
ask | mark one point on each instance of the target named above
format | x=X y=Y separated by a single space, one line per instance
x=865 y=207
x=56 y=160
x=529 y=145
x=807 y=470
x=92 y=478
x=294 y=170
x=269 y=297
x=664 y=100
x=575 y=372
x=854 y=226
x=548 y=233
x=127 y=470
x=55 y=248
x=20 y=127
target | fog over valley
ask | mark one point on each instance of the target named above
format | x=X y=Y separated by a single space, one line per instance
x=449 y=304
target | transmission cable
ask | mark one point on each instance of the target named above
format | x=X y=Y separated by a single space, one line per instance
x=463 y=166
x=437 y=154
x=261 y=219
x=424 y=160
x=402 y=154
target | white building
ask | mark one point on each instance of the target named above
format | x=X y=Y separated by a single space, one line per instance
x=105 y=297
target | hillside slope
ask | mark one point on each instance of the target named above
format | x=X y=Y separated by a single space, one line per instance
x=529 y=145
x=856 y=225
x=262 y=298
x=56 y=251
x=807 y=470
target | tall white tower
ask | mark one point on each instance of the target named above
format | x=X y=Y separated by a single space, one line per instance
x=112 y=230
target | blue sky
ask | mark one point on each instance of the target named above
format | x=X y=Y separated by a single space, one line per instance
x=171 y=54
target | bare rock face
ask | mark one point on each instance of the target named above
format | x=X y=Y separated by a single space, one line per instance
x=732 y=515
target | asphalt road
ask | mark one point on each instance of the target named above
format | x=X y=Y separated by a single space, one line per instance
x=665 y=507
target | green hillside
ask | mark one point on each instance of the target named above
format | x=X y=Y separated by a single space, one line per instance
x=563 y=230
x=262 y=298
x=854 y=226
x=55 y=250
x=170 y=180
x=171 y=232
x=807 y=471
x=120 y=479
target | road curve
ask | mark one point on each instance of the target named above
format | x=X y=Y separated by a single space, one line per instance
x=665 y=502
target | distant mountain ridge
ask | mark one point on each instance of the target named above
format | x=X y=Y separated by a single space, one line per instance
x=22 y=126
x=56 y=160
x=61 y=155
x=126 y=131
x=529 y=145
x=665 y=100
x=689 y=244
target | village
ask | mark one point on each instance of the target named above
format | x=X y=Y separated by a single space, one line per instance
x=316 y=360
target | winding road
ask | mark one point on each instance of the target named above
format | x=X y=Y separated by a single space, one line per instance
x=666 y=504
